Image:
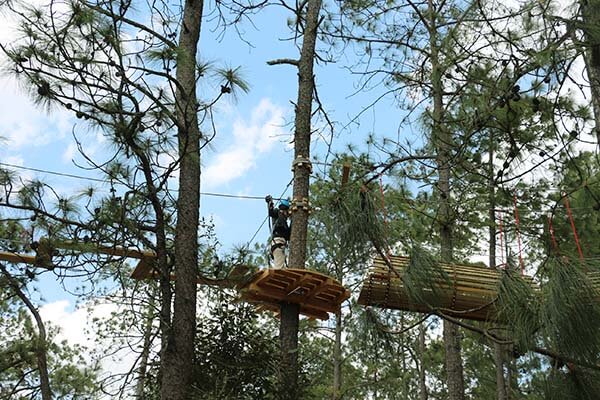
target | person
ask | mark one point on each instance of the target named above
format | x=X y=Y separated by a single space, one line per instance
x=281 y=230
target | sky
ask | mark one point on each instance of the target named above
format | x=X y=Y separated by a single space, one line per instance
x=251 y=154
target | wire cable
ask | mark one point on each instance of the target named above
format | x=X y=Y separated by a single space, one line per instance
x=212 y=194
x=265 y=220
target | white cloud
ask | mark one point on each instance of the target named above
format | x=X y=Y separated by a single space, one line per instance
x=73 y=325
x=69 y=153
x=22 y=124
x=250 y=139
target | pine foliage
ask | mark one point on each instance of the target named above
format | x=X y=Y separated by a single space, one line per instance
x=518 y=304
x=571 y=312
x=424 y=279
x=572 y=384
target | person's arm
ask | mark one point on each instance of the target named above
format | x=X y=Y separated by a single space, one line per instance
x=273 y=212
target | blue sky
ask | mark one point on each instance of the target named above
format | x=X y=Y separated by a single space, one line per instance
x=251 y=154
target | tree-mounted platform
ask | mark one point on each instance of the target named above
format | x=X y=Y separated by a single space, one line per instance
x=145 y=270
x=45 y=250
x=316 y=293
x=469 y=292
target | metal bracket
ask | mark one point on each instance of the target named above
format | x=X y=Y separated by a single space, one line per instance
x=302 y=162
x=301 y=204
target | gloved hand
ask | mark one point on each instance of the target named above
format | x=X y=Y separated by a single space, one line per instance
x=269 y=199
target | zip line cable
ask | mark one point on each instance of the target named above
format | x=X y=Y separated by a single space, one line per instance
x=53 y=173
x=226 y=195
x=265 y=220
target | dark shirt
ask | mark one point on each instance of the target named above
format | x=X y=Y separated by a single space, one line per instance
x=280 y=225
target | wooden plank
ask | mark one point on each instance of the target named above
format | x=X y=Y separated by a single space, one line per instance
x=319 y=289
x=17 y=258
x=143 y=270
x=345 y=173
x=275 y=299
x=117 y=251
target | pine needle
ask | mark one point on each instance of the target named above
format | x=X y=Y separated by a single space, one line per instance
x=572 y=385
x=425 y=280
x=571 y=312
x=518 y=304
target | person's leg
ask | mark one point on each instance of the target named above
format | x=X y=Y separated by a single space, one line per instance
x=278 y=253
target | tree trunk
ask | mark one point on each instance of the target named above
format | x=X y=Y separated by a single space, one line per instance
x=147 y=341
x=498 y=348
x=500 y=379
x=40 y=343
x=442 y=141
x=288 y=333
x=288 y=341
x=423 y=394
x=179 y=352
x=591 y=18
x=337 y=357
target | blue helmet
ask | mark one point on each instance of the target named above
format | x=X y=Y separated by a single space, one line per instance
x=284 y=203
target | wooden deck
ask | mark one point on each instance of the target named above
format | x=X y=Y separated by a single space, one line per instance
x=317 y=294
x=469 y=292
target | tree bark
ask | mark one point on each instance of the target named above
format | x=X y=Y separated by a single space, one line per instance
x=144 y=356
x=590 y=12
x=41 y=340
x=337 y=357
x=500 y=379
x=288 y=333
x=423 y=393
x=442 y=141
x=179 y=352
x=499 y=349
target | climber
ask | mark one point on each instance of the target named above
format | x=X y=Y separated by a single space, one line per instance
x=281 y=231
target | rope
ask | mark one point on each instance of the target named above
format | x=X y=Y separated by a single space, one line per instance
x=385 y=222
x=518 y=235
x=566 y=200
x=501 y=244
x=552 y=237
x=267 y=218
x=382 y=200
x=256 y=233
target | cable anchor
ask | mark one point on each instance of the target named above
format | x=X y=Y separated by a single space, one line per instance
x=302 y=162
x=301 y=204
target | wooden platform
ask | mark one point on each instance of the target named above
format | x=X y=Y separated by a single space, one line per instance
x=44 y=255
x=17 y=257
x=470 y=291
x=145 y=270
x=317 y=294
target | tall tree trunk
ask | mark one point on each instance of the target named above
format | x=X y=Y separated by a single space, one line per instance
x=442 y=141
x=179 y=352
x=499 y=361
x=147 y=342
x=423 y=393
x=288 y=333
x=591 y=18
x=337 y=357
x=498 y=348
x=41 y=347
